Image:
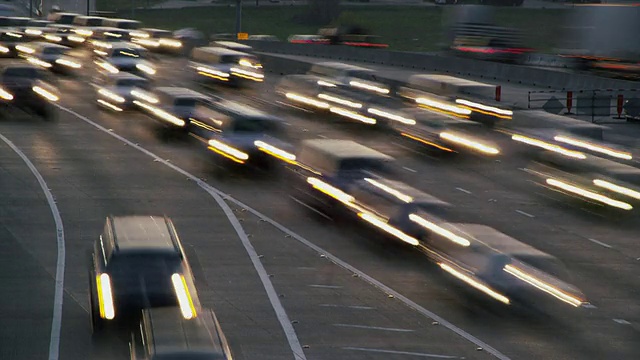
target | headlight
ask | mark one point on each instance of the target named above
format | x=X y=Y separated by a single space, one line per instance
x=144 y=96
x=105 y=297
x=228 y=151
x=111 y=96
x=171 y=43
x=275 y=152
x=110 y=68
x=38 y=62
x=5 y=95
x=25 y=49
x=69 y=63
x=4 y=49
x=145 y=68
x=54 y=38
x=34 y=32
x=78 y=39
x=184 y=297
x=83 y=32
x=45 y=93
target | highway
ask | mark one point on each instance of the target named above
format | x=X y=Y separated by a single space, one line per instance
x=268 y=266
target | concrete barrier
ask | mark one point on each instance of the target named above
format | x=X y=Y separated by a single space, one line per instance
x=517 y=74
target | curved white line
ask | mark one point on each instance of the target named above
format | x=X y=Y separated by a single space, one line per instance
x=210 y=189
x=56 y=321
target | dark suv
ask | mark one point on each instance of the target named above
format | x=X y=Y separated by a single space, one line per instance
x=28 y=88
x=138 y=263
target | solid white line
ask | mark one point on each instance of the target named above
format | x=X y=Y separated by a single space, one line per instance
x=463 y=190
x=622 y=321
x=409 y=169
x=356 y=307
x=373 y=327
x=281 y=314
x=325 y=286
x=525 y=213
x=58 y=297
x=599 y=243
x=431 y=315
x=402 y=353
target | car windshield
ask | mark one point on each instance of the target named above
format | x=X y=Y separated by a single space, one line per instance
x=141 y=83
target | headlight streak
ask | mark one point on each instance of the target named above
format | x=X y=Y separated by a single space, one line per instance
x=437 y=105
x=307 y=101
x=332 y=191
x=213 y=73
x=369 y=87
x=146 y=69
x=105 y=65
x=326 y=83
x=77 y=39
x=486 y=109
x=111 y=96
x=4 y=49
x=5 y=95
x=275 y=152
x=184 y=297
x=68 y=63
x=426 y=142
x=12 y=34
x=38 y=62
x=398 y=194
x=100 y=52
x=143 y=96
x=161 y=114
x=549 y=289
x=34 y=32
x=246 y=74
x=589 y=194
x=105 y=297
x=25 y=49
x=54 y=38
x=469 y=143
x=45 y=94
x=139 y=34
x=391 y=116
x=109 y=33
x=340 y=101
x=593 y=147
x=439 y=230
x=380 y=223
x=170 y=43
x=109 y=105
x=617 y=188
x=548 y=146
x=475 y=284
x=228 y=151
x=83 y=32
x=101 y=44
x=146 y=42
x=247 y=63
x=353 y=115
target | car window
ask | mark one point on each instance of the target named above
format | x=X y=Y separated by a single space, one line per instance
x=128 y=264
x=190 y=102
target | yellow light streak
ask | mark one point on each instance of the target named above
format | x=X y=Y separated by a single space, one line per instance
x=399 y=194
x=369 y=87
x=307 y=101
x=475 y=284
x=352 y=115
x=547 y=146
x=105 y=297
x=593 y=147
x=340 y=101
x=235 y=154
x=184 y=297
x=439 y=230
x=44 y=93
x=617 y=188
x=549 y=289
x=391 y=116
x=380 y=223
x=275 y=152
x=588 y=194
x=469 y=143
x=112 y=96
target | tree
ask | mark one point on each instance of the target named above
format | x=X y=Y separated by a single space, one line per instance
x=323 y=11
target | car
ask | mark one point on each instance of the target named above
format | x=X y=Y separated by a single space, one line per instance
x=28 y=88
x=117 y=92
x=50 y=56
x=308 y=39
x=34 y=28
x=173 y=106
x=126 y=57
x=158 y=40
x=65 y=18
x=63 y=35
x=225 y=66
x=232 y=45
x=240 y=134
x=102 y=36
x=137 y=263
x=83 y=25
x=9 y=39
x=164 y=333
x=127 y=24
x=350 y=76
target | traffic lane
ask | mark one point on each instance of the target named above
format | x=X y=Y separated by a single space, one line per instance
x=265 y=200
x=93 y=175
x=28 y=256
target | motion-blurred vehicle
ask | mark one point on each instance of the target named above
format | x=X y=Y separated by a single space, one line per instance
x=65 y=18
x=308 y=39
x=351 y=36
x=138 y=263
x=103 y=36
x=35 y=28
x=173 y=106
x=126 y=57
x=226 y=66
x=158 y=40
x=127 y=24
x=232 y=45
x=240 y=134
x=9 y=39
x=83 y=25
x=53 y=57
x=165 y=334
x=117 y=92
x=263 y=38
x=351 y=76
x=63 y=35
x=28 y=88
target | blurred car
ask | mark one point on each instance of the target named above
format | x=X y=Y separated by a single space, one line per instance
x=9 y=39
x=63 y=35
x=225 y=66
x=83 y=25
x=118 y=91
x=138 y=263
x=174 y=106
x=34 y=28
x=164 y=333
x=28 y=88
x=232 y=45
x=308 y=39
x=240 y=134
x=351 y=76
x=103 y=36
x=127 y=57
x=50 y=56
x=127 y=24
x=263 y=38
x=159 y=40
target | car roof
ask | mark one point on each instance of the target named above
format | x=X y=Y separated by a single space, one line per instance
x=143 y=233
x=344 y=149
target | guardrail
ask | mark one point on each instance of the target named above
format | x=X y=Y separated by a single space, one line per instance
x=594 y=102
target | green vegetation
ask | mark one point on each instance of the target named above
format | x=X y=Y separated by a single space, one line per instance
x=403 y=27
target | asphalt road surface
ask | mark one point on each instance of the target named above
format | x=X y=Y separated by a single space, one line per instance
x=347 y=293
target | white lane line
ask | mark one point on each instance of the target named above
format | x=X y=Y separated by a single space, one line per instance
x=622 y=321
x=373 y=327
x=325 y=286
x=427 y=313
x=525 y=213
x=281 y=314
x=311 y=208
x=355 y=307
x=463 y=190
x=599 y=243
x=410 y=353
x=58 y=297
x=589 y=306
x=322 y=136
x=409 y=169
